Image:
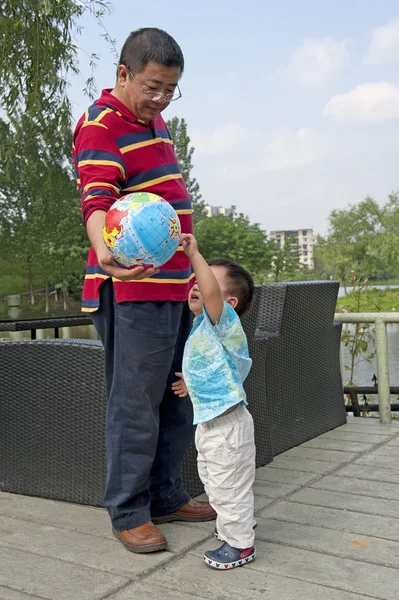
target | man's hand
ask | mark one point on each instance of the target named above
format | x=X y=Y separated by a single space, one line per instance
x=108 y=264
x=189 y=244
x=179 y=387
x=95 y=224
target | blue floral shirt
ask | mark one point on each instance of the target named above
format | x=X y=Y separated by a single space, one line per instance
x=215 y=364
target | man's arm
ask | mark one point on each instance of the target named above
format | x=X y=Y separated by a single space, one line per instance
x=94 y=225
x=101 y=176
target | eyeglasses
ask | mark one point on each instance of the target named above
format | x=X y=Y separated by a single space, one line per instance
x=157 y=95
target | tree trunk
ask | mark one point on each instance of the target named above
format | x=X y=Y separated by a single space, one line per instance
x=343 y=279
x=30 y=279
x=355 y=403
x=65 y=295
x=46 y=298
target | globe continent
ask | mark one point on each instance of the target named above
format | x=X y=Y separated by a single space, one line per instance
x=142 y=229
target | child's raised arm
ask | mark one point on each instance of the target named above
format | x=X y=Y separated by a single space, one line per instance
x=207 y=282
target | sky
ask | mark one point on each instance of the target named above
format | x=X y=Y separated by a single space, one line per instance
x=292 y=106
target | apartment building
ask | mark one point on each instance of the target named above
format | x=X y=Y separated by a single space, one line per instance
x=213 y=211
x=302 y=242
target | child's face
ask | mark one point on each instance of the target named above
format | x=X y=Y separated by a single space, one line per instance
x=195 y=301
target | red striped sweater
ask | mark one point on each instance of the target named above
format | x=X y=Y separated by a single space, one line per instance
x=115 y=154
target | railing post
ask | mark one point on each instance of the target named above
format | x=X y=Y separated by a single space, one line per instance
x=93 y=335
x=66 y=332
x=14 y=312
x=382 y=370
x=341 y=363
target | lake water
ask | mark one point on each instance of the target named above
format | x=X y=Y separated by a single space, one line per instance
x=364 y=371
x=341 y=292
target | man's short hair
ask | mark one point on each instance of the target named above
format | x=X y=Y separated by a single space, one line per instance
x=150 y=44
x=240 y=283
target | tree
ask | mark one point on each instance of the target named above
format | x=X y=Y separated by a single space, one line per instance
x=333 y=259
x=40 y=209
x=389 y=239
x=234 y=237
x=184 y=152
x=38 y=198
x=352 y=242
x=285 y=265
x=38 y=52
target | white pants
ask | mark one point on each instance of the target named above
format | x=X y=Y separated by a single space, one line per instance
x=226 y=466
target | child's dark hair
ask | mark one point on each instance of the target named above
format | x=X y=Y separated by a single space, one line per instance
x=240 y=281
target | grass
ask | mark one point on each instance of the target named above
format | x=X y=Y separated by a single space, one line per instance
x=37 y=310
x=371 y=301
x=14 y=280
x=393 y=417
x=393 y=281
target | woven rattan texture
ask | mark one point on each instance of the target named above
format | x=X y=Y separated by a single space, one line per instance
x=192 y=482
x=303 y=380
x=7 y=326
x=271 y=310
x=255 y=384
x=49 y=323
x=52 y=399
x=52 y=420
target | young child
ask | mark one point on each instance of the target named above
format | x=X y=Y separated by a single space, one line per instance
x=215 y=364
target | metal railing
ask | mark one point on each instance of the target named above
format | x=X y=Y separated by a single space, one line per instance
x=381 y=345
x=15 y=325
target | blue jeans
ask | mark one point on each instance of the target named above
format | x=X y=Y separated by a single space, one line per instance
x=148 y=428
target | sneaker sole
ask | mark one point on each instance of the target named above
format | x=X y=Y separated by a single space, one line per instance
x=138 y=549
x=187 y=519
x=226 y=566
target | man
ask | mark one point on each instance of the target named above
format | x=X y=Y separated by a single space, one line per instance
x=122 y=145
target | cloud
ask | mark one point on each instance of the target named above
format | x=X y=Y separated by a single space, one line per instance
x=232 y=75
x=367 y=103
x=384 y=47
x=224 y=140
x=315 y=61
x=287 y=150
x=243 y=153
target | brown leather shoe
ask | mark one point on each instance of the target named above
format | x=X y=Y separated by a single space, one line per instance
x=146 y=538
x=194 y=511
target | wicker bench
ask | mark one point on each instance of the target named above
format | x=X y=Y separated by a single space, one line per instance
x=52 y=406
x=301 y=358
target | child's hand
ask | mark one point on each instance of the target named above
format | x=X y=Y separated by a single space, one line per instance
x=189 y=244
x=179 y=387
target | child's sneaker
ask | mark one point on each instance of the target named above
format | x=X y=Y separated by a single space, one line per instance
x=227 y=557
